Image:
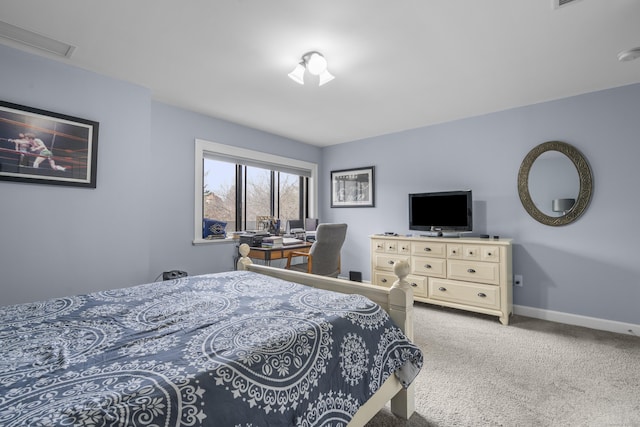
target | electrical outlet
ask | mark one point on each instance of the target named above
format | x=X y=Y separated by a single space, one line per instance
x=517 y=280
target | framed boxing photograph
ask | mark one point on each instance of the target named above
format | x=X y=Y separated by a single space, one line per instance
x=43 y=147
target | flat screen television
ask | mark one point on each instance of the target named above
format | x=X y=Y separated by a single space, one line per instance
x=441 y=211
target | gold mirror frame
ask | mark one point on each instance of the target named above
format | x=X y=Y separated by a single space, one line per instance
x=584 y=176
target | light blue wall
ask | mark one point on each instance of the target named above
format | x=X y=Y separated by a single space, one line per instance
x=172 y=190
x=63 y=240
x=138 y=222
x=587 y=268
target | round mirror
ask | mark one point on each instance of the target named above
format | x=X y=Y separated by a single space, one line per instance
x=555 y=183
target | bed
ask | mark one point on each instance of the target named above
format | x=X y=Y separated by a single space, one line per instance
x=259 y=346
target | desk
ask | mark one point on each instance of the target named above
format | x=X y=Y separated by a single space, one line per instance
x=269 y=254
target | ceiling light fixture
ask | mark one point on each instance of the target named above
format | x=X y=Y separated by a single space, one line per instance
x=629 y=54
x=316 y=64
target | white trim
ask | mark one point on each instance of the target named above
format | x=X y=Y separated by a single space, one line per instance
x=214 y=241
x=203 y=146
x=578 y=320
x=574 y=319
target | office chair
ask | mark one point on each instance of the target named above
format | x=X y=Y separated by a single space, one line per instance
x=324 y=256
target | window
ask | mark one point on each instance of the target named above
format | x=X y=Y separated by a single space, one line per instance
x=237 y=185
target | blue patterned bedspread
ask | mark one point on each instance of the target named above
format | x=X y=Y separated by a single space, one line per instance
x=226 y=349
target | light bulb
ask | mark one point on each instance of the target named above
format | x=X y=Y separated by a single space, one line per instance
x=297 y=75
x=325 y=77
x=316 y=64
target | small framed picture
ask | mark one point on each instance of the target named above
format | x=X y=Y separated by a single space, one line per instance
x=43 y=147
x=353 y=188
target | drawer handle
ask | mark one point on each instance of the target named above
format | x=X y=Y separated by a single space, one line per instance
x=384 y=280
x=488 y=253
x=453 y=251
x=427 y=249
x=415 y=285
x=442 y=289
x=379 y=246
x=427 y=266
x=482 y=295
x=471 y=270
x=404 y=248
x=391 y=262
x=470 y=252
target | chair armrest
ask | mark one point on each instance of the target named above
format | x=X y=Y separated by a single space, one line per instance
x=296 y=254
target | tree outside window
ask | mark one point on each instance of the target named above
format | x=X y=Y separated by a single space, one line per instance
x=237 y=194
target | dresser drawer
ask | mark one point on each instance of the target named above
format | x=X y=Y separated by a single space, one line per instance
x=386 y=262
x=490 y=254
x=454 y=251
x=433 y=267
x=484 y=272
x=390 y=246
x=377 y=245
x=418 y=283
x=404 y=247
x=485 y=296
x=487 y=253
x=432 y=249
x=383 y=279
x=471 y=252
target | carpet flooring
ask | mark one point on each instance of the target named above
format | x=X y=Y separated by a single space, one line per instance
x=533 y=372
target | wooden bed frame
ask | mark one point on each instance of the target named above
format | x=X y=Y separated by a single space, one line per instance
x=397 y=301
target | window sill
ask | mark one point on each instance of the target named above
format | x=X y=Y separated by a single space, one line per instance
x=197 y=242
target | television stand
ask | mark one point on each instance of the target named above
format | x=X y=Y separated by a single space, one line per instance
x=467 y=273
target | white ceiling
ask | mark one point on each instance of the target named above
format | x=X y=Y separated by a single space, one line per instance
x=398 y=64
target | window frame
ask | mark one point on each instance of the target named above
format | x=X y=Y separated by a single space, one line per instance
x=204 y=147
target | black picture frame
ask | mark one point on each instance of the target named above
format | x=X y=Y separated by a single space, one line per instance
x=353 y=188
x=44 y=147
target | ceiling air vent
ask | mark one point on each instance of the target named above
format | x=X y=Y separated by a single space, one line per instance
x=38 y=41
x=560 y=3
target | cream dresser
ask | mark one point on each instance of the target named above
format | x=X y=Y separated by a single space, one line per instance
x=472 y=274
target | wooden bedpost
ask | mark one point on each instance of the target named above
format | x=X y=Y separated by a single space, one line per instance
x=244 y=260
x=401 y=299
x=401 y=311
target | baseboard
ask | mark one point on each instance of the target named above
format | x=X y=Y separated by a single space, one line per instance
x=575 y=319
x=578 y=320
